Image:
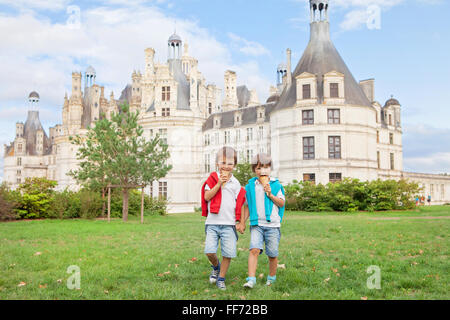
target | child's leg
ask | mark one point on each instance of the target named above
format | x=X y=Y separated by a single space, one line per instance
x=224 y=267
x=272 y=237
x=253 y=262
x=212 y=257
x=228 y=243
x=273 y=265
x=211 y=244
x=256 y=246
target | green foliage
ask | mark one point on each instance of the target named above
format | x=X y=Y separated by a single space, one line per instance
x=351 y=195
x=152 y=206
x=243 y=173
x=7 y=204
x=35 y=198
x=116 y=152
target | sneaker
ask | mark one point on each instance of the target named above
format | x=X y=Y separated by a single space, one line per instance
x=270 y=280
x=250 y=283
x=214 y=274
x=221 y=284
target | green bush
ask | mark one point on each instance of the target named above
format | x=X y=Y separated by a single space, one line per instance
x=91 y=204
x=351 y=195
x=35 y=198
x=7 y=204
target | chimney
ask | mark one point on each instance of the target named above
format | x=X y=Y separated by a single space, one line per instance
x=289 y=75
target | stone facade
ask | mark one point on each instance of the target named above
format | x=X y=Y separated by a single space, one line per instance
x=318 y=124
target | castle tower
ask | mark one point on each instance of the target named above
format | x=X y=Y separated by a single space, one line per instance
x=149 y=62
x=319 y=10
x=281 y=74
x=33 y=99
x=174 y=47
x=90 y=76
x=231 y=100
x=75 y=104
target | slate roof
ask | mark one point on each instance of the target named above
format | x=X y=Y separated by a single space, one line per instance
x=319 y=58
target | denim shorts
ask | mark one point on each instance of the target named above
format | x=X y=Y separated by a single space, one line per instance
x=265 y=235
x=227 y=236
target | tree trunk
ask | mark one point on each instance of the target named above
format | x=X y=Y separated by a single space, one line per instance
x=104 y=203
x=125 y=204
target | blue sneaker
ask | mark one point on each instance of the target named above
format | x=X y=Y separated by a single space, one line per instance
x=214 y=274
x=221 y=284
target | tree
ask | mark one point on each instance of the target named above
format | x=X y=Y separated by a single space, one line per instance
x=115 y=152
x=243 y=173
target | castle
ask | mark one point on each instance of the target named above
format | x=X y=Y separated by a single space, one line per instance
x=319 y=124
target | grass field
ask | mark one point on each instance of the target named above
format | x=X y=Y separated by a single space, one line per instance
x=326 y=256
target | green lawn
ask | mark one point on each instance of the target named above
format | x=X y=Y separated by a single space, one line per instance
x=325 y=256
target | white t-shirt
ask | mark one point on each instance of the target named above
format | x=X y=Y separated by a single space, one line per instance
x=227 y=212
x=261 y=209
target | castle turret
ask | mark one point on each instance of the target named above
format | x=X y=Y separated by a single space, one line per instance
x=230 y=101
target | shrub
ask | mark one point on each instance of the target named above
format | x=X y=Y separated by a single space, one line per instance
x=7 y=204
x=351 y=195
x=90 y=204
x=35 y=198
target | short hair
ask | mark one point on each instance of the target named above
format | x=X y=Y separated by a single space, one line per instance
x=227 y=153
x=261 y=159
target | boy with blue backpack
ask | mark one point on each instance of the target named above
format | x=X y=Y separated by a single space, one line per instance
x=265 y=204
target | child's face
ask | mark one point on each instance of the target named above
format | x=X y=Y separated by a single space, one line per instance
x=226 y=164
x=263 y=170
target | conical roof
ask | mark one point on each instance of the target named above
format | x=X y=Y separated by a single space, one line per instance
x=31 y=127
x=319 y=58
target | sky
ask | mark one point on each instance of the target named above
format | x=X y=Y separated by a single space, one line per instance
x=403 y=44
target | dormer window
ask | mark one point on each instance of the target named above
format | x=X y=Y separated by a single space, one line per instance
x=333 y=87
x=306 y=91
x=306 y=88
x=334 y=90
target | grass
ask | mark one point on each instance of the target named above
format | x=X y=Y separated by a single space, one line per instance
x=326 y=256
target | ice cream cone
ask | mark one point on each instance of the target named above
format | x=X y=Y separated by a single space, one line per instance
x=264 y=180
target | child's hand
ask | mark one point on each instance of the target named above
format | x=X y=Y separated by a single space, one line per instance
x=240 y=227
x=267 y=189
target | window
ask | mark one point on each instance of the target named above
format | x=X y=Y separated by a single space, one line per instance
x=163 y=190
x=378 y=159
x=207 y=140
x=151 y=190
x=335 y=177
x=207 y=163
x=442 y=192
x=334 y=90
x=376 y=116
x=249 y=155
x=19 y=172
x=249 y=134
x=210 y=108
x=19 y=147
x=378 y=136
x=334 y=147
x=261 y=133
x=334 y=116
x=307 y=117
x=392 y=162
x=390 y=119
x=309 y=177
x=306 y=91
x=308 y=148
x=391 y=138
x=166 y=112
x=227 y=137
x=217 y=138
x=165 y=93
x=163 y=135
x=19 y=181
x=19 y=161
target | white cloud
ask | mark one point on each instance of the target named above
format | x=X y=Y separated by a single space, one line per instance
x=247 y=47
x=39 y=54
x=435 y=163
